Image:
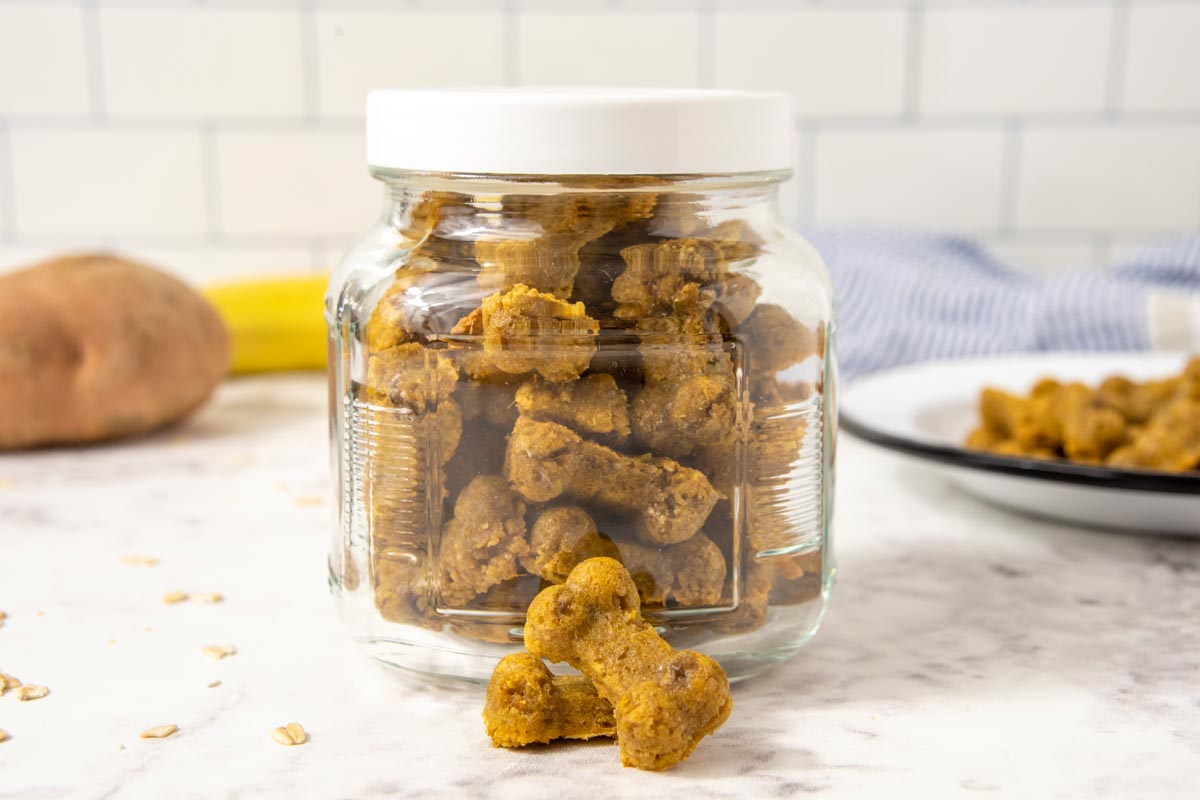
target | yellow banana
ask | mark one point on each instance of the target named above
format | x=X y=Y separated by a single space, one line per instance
x=275 y=324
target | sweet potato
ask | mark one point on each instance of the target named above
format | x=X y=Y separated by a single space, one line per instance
x=94 y=347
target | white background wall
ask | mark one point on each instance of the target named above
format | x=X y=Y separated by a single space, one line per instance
x=224 y=137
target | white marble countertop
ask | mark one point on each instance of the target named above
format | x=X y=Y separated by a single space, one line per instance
x=966 y=650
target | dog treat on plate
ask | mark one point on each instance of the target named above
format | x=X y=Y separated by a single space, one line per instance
x=1150 y=425
x=526 y=703
x=665 y=700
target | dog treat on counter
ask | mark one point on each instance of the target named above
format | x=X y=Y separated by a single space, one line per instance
x=664 y=701
x=482 y=544
x=1150 y=425
x=526 y=703
x=545 y=460
x=593 y=405
x=561 y=538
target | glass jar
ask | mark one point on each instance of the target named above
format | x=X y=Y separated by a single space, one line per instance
x=562 y=339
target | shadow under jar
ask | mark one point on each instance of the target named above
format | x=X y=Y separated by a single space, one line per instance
x=579 y=328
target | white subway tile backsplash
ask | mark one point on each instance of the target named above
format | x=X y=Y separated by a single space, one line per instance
x=43 y=61
x=358 y=51
x=949 y=179
x=832 y=61
x=1014 y=60
x=302 y=183
x=1162 y=71
x=223 y=137
x=586 y=48
x=107 y=183
x=1116 y=179
x=202 y=62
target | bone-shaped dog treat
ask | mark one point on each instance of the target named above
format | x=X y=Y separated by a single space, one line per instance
x=561 y=538
x=482 y=544
x=665 y=701
x=690 y=573
x=526 y=703
x=544 y=460
x=592 y=405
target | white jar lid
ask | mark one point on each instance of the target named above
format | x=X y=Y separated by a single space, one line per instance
x=579 y=131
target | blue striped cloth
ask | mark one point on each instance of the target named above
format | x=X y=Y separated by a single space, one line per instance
x=906 y=296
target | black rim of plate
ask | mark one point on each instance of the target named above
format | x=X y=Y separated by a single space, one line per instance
x=1032 y=468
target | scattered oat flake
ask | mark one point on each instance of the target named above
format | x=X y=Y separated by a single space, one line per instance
x=290 y=734
x=139 y=561
x=8 y=682
x=32 y=692
x=159 y=732
x=206 y=597
x=4 y=737
x=39 y=613
x=310 y=500
x=171 y=598
x=218 y=651
x=214 y=684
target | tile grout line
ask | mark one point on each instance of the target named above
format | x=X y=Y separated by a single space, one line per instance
x=510 y=56
x=706 y=42
x=913 y=40
x=309 y=69
x=1010 y=161
x=1118 y=49
x=212 y=182
x=94 y=55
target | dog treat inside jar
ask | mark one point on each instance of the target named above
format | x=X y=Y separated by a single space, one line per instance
x=580 y=328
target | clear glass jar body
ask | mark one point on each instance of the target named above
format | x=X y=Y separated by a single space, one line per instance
x=527 y=371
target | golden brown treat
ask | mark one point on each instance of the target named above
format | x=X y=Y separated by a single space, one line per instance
x=686 y=342
x=526 y=703
x=656 y=273
x=1170 y=440
x=676 y=416
x=410 y=376
x=525 y=330
x=665 y=701
x=593 y=405
x=586 y=215
x=545 y=460
x=548 y=264
x=561 y=538
x=796 y=579
x=776 y=340
x=1150 y=425
x=493 y=401
x=402 y=589
x=690 y=573
x=484 y=542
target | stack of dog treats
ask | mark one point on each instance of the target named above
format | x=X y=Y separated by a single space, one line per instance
x=554 y=377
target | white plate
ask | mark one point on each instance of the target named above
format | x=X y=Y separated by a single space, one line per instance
x=925 y=410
